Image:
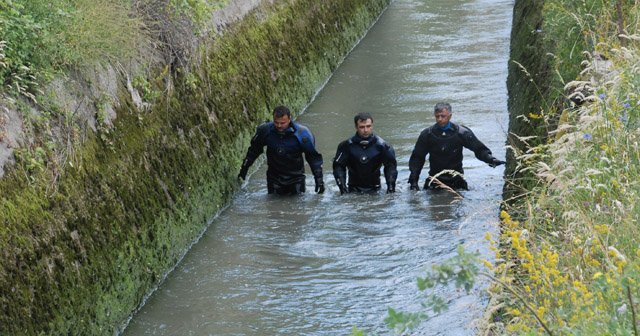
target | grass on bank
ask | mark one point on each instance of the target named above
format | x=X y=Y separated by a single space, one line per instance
x=570 y=248
x=40 y=39
x=45 y=39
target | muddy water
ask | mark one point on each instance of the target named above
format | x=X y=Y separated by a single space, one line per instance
x=321 y=264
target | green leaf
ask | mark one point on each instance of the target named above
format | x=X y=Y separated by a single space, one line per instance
x=357 y=332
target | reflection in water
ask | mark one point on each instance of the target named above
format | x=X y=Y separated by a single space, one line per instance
x=320 y=264
x=445 y=207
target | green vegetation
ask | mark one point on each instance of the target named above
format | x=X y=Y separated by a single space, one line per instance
x=569 y=240
x=197 y=11
x=86 y=234
x=42 y=39
x=462 y=270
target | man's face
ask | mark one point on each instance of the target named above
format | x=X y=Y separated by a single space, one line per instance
x=443 y=117
x=364 y=128
x=281 y=123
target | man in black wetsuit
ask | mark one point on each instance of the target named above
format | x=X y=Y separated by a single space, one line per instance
x=286 y=141
x=362 y=155
x=443 y=142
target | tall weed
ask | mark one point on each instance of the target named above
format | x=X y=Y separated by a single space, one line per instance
x=43 y=38
x=573 y=255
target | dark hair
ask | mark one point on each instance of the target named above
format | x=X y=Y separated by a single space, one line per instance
x=362 y=116
x=442 y=106
x=281 y=111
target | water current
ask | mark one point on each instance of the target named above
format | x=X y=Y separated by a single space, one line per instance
x=321 y=264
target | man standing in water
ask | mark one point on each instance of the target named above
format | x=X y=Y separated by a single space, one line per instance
x=286 y=141
x=362 y=155
x=443 y=142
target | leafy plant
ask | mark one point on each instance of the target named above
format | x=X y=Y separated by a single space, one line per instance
x=41 y=38
x=461 y=269
x=198 y=11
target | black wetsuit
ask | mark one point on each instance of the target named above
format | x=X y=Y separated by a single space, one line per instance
x=285 y=166
x=363 y=159
x=444 y=147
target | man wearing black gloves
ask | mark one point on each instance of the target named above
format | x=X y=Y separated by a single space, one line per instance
x=286 y=141
x=443 y=142
x=362 y=155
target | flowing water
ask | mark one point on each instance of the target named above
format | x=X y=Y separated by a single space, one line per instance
x=321 y=264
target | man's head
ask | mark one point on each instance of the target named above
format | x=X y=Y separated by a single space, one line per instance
x=281 y=118
x=364 y=124
x=442 y=112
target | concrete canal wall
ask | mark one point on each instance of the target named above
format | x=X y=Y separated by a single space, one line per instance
x=85 y=241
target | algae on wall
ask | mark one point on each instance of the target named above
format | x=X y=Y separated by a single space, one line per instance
x=80 y=252
x=541 y=61
x=527 y=68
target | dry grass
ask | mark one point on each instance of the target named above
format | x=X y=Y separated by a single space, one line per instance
x=574 y=254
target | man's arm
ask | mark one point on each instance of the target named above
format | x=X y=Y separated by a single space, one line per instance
x=340 y=166
x=313 y=157
x=255 y=149
x=470 y=141
x=390 y=168
x=417 y=159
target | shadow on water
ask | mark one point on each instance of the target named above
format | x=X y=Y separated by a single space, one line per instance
x=321 y=264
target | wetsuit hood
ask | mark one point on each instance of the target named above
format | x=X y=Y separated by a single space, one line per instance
x=364 y=141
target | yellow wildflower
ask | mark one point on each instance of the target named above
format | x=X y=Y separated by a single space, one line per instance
x=593 y=262
x=487 y=264
x=601 y=229
x=487 y=236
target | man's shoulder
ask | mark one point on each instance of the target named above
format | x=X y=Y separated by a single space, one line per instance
x=462 y=129
x=428 y=130
x=264 y=129
x=265 y=126
x=381 y=142
x=303 y=134
x=300 y=127
x=301 y=131
x=348 y=142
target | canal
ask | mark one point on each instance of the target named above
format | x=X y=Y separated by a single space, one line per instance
x=321 y=264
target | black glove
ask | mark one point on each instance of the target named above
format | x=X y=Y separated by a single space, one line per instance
x=342 y=185
x=319 y=185
x=243 y=172
x=391 y=188
x=495 y=162
x=413 y=183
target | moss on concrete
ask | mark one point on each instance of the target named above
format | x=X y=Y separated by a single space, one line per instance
x=83 y=245
x=545 y=55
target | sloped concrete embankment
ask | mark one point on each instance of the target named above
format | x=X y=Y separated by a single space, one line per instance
x=81 y=251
